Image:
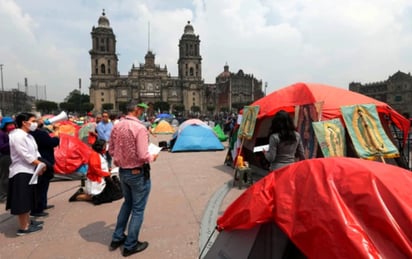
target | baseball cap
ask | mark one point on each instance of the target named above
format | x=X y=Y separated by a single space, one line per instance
x=142 y=105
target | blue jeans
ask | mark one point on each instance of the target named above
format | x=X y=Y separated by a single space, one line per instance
x=136 y=191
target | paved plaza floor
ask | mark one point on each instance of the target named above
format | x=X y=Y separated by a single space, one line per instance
x=181 y=211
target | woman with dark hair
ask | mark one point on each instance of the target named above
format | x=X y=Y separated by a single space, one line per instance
x=285 y=144
x=25 y=158
x=100 y=187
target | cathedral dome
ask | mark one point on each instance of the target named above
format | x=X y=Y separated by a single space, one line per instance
x=189 y=28
x=103 y=21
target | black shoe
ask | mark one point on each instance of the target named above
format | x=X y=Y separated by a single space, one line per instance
x=74 y=196
x=138 y=248
x=39 y=214
x=36 y=223
x=49 y=207
x=115 y=244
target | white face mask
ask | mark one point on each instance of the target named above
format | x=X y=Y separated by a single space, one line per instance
x=33 y=126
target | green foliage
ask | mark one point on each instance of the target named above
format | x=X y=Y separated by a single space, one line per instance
x=46 y=107
x=69 y=107
x=180 y=107
x=224 y=109
x=195 y=109
x=210 y=108
x=123 y=107
x=77 y=102
x=162 y=106
x=107 y=106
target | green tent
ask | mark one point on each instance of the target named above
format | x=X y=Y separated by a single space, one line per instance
x=219 y=132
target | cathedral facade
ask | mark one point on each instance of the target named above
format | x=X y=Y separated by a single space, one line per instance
x=395 y=91
x=151 y=83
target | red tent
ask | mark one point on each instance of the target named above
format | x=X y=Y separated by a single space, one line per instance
x=333 y=97
x=332 y=208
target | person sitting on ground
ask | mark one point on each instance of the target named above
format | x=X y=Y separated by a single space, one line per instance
x=100 y=187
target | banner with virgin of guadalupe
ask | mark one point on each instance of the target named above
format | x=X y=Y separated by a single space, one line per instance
x=366 y=131
x=304 y=116
x=247 y=126
x=331 y=137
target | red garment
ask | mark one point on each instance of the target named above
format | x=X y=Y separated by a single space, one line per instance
x=94 y=171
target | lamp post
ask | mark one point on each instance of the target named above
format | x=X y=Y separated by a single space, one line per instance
x=266 y=86
x=2 y=89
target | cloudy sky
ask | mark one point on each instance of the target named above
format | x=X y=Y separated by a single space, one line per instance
x=278 y=41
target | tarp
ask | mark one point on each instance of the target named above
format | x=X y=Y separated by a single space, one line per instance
x=333 y=97
x=70 y=154
x=195 y=135
x=219 y=133
x=335 y=207
x=163 y=127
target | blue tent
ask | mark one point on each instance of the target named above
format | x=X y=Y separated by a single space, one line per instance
x=196 y=137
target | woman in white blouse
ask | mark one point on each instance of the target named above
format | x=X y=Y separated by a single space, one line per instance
x=22 y=178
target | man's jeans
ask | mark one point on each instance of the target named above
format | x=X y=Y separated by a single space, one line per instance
x=136 y=191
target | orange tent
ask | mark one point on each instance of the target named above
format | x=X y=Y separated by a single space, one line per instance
x=164 y=127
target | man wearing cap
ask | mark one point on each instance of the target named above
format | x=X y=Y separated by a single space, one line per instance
x=129 y=149
x=7 y=125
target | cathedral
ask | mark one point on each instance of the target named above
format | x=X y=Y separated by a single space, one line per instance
x=151 y=83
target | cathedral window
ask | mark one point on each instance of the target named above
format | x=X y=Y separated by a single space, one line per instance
x=191 y=71
x=102 y=93
x=102 y=69
x=96 y=70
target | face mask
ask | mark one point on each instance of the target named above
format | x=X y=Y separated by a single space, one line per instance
x=33 y=126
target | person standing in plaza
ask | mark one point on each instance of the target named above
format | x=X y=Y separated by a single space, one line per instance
x=25 y=162
x=46 y=145
x=285 y=144
x=129 y=149
x=7 y=125
x=104 y=129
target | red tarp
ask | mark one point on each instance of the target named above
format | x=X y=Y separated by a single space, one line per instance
x=333 y=97
x=332 y=208
x=70 y=154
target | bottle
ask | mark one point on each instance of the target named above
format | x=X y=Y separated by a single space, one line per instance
x=239 y=161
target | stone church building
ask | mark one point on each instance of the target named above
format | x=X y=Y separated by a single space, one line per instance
x=151 y=83
x=395 y=91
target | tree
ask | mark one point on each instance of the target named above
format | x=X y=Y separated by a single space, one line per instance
x=107 y=106
x=179 y=107
x=195 y=108
x=123 y=107
x=77 y=102
x=46 y=107
x=210 y=108
x=162 y=106
x=69 y=107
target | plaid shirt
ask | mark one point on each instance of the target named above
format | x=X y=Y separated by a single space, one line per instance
x=129 y=142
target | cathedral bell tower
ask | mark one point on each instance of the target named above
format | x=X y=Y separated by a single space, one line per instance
x=103 y=63
x=190 y=69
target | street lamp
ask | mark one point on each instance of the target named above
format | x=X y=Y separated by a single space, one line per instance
x=2 y=88
x=266 y=86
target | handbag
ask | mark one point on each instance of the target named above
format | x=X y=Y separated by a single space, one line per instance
x=94 y=188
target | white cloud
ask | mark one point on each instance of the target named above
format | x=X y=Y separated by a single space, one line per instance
x=281 y=42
